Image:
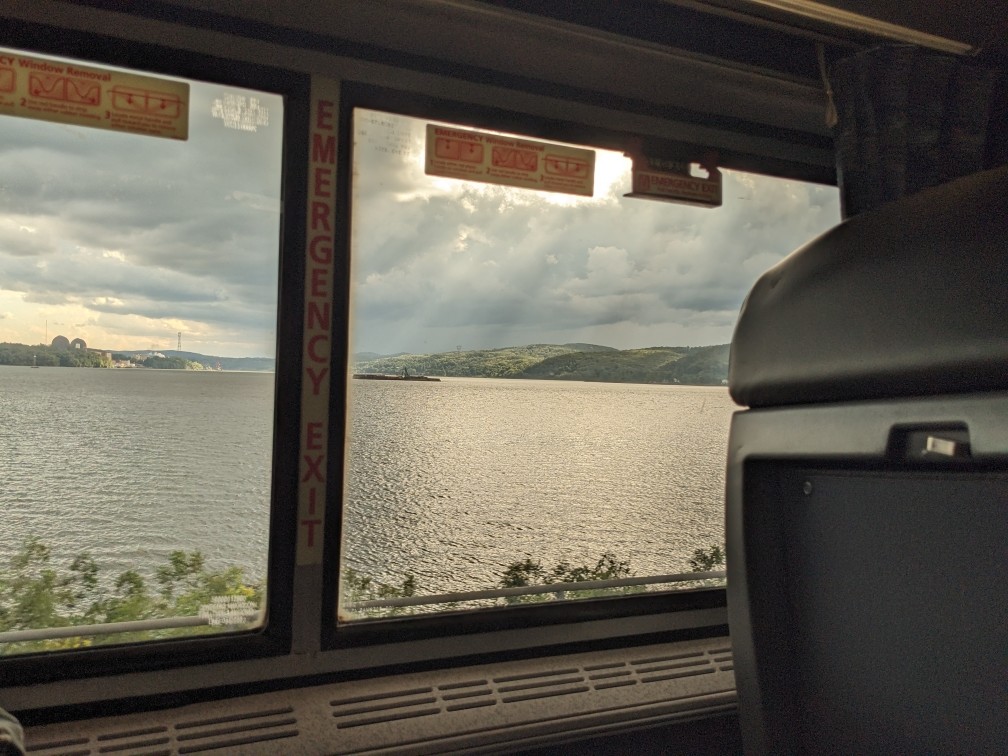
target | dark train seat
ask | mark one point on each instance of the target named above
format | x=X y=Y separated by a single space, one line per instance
x=867 y=484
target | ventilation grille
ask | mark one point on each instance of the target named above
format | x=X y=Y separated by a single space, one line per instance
x=522 y=703
x=230 y=731
x=477 y=693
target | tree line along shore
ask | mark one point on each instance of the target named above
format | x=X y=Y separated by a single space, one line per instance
x=46 y=356
x=687 y=365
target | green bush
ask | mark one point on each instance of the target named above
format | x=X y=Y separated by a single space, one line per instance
x=529 y=572
x=35 y=593
x=706 y=560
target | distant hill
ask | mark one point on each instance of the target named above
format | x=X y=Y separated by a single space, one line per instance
x=48 y=356
x=267 y=364
x=507 y=362
x=703 y=365
x=590 y=348
x=692 y=365
x=574 y=362
x=365 y=356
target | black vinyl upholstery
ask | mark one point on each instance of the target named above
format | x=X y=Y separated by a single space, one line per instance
x=908 y=299
x=867 y=485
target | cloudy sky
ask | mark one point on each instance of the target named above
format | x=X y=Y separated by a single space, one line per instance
x=440 y=263
x=125 y=240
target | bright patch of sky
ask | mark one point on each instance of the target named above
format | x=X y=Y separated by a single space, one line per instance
x=441 y=263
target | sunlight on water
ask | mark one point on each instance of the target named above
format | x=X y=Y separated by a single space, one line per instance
x=449 y=481
x=452 y=481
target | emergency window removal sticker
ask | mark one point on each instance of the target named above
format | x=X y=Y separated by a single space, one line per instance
x=54 y=90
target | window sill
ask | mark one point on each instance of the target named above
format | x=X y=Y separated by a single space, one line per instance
x=514 y=704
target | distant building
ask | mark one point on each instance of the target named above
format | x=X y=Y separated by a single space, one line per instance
x=63 y=344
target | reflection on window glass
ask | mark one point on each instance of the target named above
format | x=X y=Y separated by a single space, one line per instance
x=538 y=394
x=137 y=343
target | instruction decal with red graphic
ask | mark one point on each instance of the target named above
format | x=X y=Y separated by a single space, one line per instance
x=55 y=90
x=496 y=159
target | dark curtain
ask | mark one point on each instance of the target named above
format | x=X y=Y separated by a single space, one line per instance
x=910 y=118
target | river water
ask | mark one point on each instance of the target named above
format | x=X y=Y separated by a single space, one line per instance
x=475 y=473
x=132 y=464
x=449 y=481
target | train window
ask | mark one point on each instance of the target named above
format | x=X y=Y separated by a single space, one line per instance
x=139 y=239
x=537 y=405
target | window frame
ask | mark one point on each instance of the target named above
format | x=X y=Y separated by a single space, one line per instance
x=300 y=645
x=521 y=619
x=274 y=636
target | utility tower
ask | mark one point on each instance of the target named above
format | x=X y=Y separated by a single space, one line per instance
x=180 y=341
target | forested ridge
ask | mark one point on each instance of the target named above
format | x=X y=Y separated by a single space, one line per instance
x=706 y=365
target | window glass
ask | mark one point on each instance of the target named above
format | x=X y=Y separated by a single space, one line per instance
x=538 y=405
x=137 y=343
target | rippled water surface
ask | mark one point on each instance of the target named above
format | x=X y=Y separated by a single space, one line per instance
x=450 y=481
x=130 y=465
x=454 y=480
